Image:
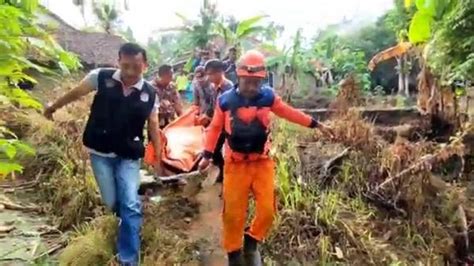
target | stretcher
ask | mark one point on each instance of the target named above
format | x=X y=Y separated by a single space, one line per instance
x=182 y=142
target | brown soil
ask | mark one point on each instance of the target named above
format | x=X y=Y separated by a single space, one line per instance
x=206 y=228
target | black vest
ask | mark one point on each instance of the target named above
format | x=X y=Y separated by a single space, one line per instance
x=116 y=122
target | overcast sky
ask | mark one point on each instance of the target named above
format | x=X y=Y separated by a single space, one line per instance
x=144 y=16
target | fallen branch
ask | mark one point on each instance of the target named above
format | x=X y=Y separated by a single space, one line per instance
x=16 y=207
x=426 y=160
x=23 y=185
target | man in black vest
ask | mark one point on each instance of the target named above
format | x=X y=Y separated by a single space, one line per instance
x=123 y=102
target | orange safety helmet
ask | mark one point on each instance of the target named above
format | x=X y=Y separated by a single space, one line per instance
x=252 y=64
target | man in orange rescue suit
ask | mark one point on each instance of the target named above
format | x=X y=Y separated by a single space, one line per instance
x=244 y=115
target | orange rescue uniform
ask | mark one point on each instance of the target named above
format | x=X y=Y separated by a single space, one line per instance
x=247 y=167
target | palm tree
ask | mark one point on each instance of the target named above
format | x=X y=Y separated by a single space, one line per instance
x=107 y=14
x=199 y=32
x=235 y=32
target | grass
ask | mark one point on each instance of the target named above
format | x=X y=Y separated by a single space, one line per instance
x=93 y=244
x=68 y=192
x=164 y=238
x=60 y=166
x=336 y=223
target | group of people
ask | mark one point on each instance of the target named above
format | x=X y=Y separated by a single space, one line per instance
x=236 y=116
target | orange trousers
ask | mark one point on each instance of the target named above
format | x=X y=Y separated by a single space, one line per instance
x=240 y=179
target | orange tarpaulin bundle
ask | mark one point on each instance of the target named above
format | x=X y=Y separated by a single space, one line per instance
x=182 y=142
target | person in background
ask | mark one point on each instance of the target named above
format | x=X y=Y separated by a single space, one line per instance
x=243 y=113
x=217 y=54
x=170 y=101
x=181 y=83
x=206 y=55
x=202 y=96
x=230 y=68
x=189 y=88
x=215 y=72
x=196 y=60
x=123 y=103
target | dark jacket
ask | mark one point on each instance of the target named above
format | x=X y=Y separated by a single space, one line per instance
x=116 y=122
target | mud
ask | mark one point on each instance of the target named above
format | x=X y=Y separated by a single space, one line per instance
x=207 y=227
x=195 y=212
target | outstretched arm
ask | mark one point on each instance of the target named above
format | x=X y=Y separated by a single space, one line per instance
x=86 y=86
x=283 y=110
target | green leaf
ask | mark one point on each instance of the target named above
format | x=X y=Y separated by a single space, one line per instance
x=9 y=167
x=408 y=3
x=252 y=31
x=244 y=25
x=426 y=6
x=24 y=148
x=420 y=28
x=29 y=5
x=9 y=150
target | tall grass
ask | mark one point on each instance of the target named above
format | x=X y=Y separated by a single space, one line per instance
x=337 y=222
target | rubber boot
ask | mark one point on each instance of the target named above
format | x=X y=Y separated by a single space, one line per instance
x=235 y=258
x=251 y=254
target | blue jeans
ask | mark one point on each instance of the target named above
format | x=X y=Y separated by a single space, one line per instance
x=118 y=180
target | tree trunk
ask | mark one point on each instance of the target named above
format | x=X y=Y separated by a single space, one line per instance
x=406 y=73
x=401 y=84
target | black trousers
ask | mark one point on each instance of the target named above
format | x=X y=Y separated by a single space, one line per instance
x=218 y=158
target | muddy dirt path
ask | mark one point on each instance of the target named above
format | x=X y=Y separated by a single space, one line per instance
x=207 y=227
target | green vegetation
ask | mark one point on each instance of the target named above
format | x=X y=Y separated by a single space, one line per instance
x=20 y=40
x=362 y=211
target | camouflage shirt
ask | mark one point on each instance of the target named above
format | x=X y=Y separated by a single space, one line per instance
x=205 y=97
x=169 y=100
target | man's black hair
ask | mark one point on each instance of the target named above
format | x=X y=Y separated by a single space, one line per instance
x=164 y=69
x=133 y=49
x=215 y=65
